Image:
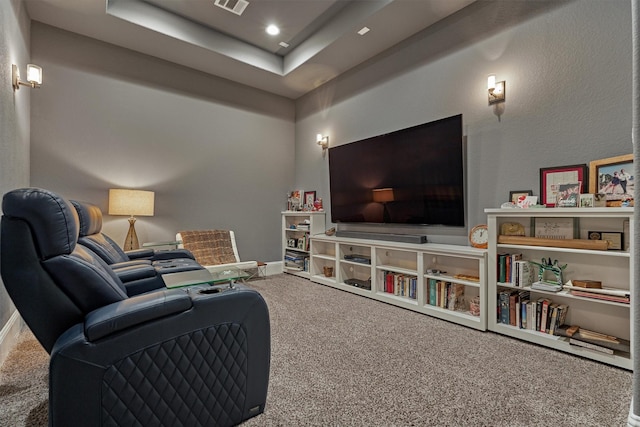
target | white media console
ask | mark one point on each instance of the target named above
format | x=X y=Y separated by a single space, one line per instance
x=443 y=281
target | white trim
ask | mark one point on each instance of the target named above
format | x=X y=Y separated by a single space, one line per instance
x=9 y=335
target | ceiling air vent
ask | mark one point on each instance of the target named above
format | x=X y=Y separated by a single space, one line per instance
x=235 y=6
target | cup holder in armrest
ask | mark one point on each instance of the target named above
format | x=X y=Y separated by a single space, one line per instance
x=210 y=291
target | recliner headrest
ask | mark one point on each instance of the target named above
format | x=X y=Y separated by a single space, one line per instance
x=52 y=219
x=90 y=218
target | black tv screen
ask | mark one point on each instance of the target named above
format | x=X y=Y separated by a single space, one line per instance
x=410 y=176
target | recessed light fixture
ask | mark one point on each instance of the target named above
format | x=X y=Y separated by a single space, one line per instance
x=364 y=30
x=283 y=44
x=273 y=30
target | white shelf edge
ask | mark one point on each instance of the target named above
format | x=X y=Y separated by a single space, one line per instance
x=623 y=254
x=453 y=280
x=396 y=269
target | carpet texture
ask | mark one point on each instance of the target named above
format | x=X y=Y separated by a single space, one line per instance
x=339 y=359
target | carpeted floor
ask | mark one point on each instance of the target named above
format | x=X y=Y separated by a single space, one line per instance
x=339 y=359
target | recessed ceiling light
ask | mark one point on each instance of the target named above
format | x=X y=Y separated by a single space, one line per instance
x=273 y=30
x=283 y=44
x=364 y=30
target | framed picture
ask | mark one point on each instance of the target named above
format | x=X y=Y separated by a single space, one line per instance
x=294 y=201
x=309 y=198
x=552 y=178
x=614 y=239
x=587 y=200
x=514 y=195
x=568 y=195
x=614 y=178
x=555 y=228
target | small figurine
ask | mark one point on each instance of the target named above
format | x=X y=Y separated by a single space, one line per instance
x=317 y=205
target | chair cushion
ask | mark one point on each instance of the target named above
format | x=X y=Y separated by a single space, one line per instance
x=209 y=247
x=54 y=221
x=90 y=217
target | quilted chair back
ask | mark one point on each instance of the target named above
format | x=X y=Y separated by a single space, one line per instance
x=90 y=234
x=52 y=281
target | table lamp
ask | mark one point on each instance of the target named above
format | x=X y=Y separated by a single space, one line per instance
x=384 y=196
x=131 y=202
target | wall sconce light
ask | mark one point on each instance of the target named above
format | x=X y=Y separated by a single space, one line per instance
x=131 y=202
x=496 y=90
x=34 y=76
x=323 y=141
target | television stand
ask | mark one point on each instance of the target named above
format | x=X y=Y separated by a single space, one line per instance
x=405 y=238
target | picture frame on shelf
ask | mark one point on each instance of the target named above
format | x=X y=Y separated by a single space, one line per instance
x=294 y=202
x=614 y=239
x=587 y=200
x=613 y=177
x=568 y=195
x=552 y=177
x=516 y=194
x=555 y=228
x=309 y=199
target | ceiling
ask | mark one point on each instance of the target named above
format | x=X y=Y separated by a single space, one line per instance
x=322 y=35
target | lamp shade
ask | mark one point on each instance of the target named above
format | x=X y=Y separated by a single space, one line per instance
x=383 y=195
x=131 y=202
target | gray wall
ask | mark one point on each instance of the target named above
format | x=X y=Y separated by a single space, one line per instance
x=217 y=154
x=567 y=67
x=14 y=115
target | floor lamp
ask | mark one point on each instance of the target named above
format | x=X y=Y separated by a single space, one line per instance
x=131 y=202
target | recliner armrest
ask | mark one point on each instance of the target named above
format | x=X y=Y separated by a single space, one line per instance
x=126 y=264
x=133 y=311
x=135 y=272
x=140 y=253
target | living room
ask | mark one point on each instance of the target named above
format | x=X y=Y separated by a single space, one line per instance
x=224 y=155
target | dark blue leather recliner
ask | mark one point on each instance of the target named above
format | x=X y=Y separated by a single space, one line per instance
x=141 y=270
x=195 y=356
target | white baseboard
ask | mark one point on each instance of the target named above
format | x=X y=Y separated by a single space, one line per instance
x=9 y=335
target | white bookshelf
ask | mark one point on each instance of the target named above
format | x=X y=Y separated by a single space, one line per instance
x=297 y=228
x=614 y=268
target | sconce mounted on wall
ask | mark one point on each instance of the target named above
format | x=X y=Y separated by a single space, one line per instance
x=496 y=90
x=34 y=76
x=323 y=141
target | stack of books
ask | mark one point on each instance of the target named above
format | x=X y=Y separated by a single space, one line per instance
x=605 y=294
x=596 y=341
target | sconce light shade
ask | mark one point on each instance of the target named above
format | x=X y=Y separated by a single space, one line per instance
x=131 y=202
x=34 y=76
x=496 y=90
x=322 y=141
x=491 y=82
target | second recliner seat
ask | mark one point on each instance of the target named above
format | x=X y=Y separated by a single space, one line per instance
x=144 y=267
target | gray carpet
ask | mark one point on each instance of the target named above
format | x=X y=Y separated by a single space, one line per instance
x=343 y=360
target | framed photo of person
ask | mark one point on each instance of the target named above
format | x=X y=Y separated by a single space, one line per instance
x=614 y=178
x=552 y=178
x=309 y=199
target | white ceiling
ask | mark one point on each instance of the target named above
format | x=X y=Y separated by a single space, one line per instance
x=322 y=34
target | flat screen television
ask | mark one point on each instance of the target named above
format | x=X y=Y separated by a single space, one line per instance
x=410 y=176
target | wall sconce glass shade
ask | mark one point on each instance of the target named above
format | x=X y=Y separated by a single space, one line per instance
x=496 y=90
x=322 y=141
x=131 y=202
x=34 y=76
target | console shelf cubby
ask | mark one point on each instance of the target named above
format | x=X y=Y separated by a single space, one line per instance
x=396 y=273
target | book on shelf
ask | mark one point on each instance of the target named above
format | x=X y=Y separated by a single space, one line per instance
x=605 y=294
x=590 y=346
x=596 y=338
